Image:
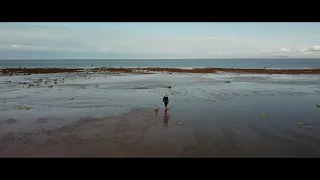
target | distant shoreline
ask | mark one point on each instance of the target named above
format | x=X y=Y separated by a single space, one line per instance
x=29 y=71
x=86 y=59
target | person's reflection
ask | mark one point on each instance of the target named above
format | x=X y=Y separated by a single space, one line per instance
x=165 y=119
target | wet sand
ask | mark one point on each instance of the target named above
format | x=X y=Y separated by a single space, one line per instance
x=143 y=133
x=113 y=116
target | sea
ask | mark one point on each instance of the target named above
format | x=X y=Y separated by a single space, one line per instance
x=167 y=63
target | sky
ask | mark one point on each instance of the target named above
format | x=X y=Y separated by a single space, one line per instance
x=159 y=40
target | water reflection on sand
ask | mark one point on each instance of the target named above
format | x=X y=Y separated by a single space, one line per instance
x=114 y=115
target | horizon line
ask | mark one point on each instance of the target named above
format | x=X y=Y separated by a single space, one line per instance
x=284 y=58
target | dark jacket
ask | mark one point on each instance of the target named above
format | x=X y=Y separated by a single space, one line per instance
x=165 y=99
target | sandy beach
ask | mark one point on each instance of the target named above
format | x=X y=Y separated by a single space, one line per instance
x=110 y=113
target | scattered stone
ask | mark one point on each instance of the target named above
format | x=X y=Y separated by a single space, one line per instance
x=55 y=82
x=169 y=87
x=71 y=99
x=90 y=106
x=45 y=82
x=170 y=73
x=318 y=105
x=22 y=108
x=39 y=81
x=180 y=123
x=50 y=86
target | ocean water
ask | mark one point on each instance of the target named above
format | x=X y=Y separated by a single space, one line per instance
x=175 y=63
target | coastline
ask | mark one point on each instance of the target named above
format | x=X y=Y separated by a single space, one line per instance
x=150 y=70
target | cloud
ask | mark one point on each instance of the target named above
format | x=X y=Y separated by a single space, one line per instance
x=301 y=52
x=58 y=49
x=284 y=50
x=314 y=48
x=280 y=51
x=18 y=46
x=304 y=50
x=310 y=49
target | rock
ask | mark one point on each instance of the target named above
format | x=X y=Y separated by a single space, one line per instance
x=45 y=82
x=90 y=106
x=169 y=87
x=22 y=108
x=50 y=86
x=55 y=82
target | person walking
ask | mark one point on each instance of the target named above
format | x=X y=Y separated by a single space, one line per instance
x=165 y=100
